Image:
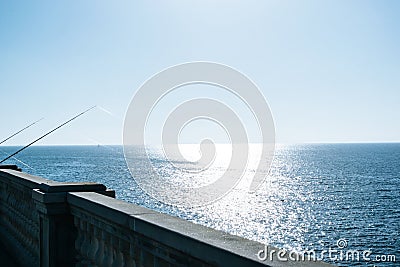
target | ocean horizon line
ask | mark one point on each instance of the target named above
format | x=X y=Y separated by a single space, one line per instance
x=281 y=143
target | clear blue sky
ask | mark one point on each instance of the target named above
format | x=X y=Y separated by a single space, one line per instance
x=329 y=69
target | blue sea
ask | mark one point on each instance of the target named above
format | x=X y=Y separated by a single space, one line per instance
x=316 y=197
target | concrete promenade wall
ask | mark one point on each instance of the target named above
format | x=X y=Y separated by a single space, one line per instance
x=47 y=223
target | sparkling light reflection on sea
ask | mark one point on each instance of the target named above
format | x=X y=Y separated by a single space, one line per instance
x=315 y=194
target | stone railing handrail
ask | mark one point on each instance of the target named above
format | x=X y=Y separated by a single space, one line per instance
x=78 y=224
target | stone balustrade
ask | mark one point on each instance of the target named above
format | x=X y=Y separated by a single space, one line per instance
x=19 y=220
x=47 y=223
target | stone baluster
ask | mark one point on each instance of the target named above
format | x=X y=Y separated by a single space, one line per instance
x=95 y=243
x=85 y=242
x=100 y=250
x=130 y=252
x=79 y=239
x=89 y=244
x=117 y=245
x=108 y=250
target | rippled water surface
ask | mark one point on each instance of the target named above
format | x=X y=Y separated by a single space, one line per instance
x=315 y=194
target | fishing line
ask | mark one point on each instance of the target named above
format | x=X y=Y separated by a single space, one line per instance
x=20 y=161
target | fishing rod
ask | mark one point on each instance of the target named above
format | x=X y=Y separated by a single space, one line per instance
x=46 y=134
x=23 y=129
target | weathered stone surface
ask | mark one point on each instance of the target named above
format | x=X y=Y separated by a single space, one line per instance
x=157 y=238
x=35 y=224
x=47 y=223
x=9 y=167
